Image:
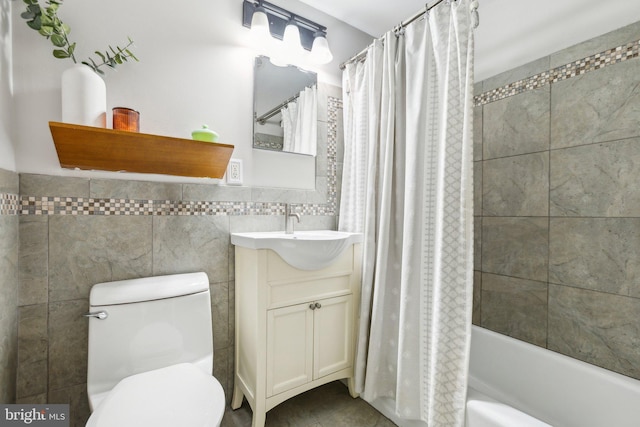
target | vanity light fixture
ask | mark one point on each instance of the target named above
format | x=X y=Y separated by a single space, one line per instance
x=295 y=31
x=260 y=26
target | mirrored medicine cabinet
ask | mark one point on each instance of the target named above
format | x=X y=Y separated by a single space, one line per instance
x=285 y=108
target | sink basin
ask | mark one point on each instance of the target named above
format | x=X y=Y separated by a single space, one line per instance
x=304 y=250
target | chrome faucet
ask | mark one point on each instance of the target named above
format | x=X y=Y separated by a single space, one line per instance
x=289 y=215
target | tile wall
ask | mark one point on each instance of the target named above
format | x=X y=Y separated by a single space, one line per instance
x=76 y=232
x=8 y=284
x=557 y=202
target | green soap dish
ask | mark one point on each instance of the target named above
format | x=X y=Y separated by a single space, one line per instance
x=205 y=134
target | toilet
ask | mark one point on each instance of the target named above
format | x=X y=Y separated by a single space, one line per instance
x=151 y=354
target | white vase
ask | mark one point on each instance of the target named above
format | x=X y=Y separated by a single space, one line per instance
x=84 y=97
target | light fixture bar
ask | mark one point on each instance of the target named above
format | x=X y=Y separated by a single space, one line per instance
x=278 y=20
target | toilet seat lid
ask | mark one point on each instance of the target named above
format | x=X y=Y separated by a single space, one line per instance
x=178 y=395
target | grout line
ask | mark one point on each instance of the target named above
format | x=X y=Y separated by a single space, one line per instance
x=598 y=291
x=48 y=389
x=512 y=276
x=612 y=141
x=515 y=155
x=546 y=343
x=609 y=141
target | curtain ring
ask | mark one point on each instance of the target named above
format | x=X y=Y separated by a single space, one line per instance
x=475 y=15
x=398 y=30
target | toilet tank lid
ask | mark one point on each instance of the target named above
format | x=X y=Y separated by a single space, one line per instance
x=148 y=288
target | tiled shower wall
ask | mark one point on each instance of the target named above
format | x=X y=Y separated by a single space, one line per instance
x=76 y=232
x=8 y=284
x=557 y=202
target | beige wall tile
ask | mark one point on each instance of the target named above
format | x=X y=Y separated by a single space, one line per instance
x=595 y=327
x=516 y=125
x=183 y=244
x=515 y=307
x=48 y=185
x=33 y=260
x=598 y=106
x=138 y=190
x=68 y=341
x=516 y=186
x=9 y=182
x=33 y=350
x=602 y=254
x=8 y=306
x=596 y=180
x=516 y=247
x=85 y=250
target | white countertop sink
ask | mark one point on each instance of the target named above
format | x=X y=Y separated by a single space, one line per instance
x=304 y=250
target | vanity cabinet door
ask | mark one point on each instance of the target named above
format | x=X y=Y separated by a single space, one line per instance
x=289 y=347
x=308 y=341
x=333 y=329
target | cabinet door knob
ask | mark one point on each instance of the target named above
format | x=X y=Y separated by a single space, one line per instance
x=318 y=305
x=312 y=306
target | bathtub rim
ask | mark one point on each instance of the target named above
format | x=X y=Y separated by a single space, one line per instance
x=582 y=394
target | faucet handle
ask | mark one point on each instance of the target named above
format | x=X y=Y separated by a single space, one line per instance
x=290 y=210
x=288 y=218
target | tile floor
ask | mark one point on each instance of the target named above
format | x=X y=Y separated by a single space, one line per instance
x=326 y=406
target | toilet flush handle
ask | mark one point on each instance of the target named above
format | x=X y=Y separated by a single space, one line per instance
x=98 y=314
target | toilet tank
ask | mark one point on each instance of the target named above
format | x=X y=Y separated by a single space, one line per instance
x=151 y=323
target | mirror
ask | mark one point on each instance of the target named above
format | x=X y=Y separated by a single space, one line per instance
x=285 y=108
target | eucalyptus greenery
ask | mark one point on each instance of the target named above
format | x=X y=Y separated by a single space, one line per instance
x=45 y=20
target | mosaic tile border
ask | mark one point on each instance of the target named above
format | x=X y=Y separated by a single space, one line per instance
x=268 y=142
x=130 y=207
x=9 y=204
x=576 y=68
x=334 y=105
x=53 y=205
x=30 y=205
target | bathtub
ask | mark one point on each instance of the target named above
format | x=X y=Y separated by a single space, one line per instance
x=515 y=384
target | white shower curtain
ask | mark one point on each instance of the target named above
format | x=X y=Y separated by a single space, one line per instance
x=307 y=127
x=407 y=185
x=289 y=123
x=300 y=123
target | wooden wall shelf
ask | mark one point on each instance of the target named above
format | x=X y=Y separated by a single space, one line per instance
x=92 y=148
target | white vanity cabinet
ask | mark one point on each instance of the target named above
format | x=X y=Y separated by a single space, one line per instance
x=295 y=329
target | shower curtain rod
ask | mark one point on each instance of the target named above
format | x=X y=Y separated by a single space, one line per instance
x=363 y=54
x=275 y=110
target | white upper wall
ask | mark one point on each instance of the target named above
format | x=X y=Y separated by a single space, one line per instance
x=514 y=33
x=511 y=32
x=197 y=64
x=7 y=156
x=196 y=67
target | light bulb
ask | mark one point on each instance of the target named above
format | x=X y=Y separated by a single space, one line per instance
x=260 y=28
x=320 y=52
x=291 y=41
